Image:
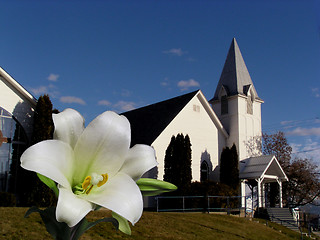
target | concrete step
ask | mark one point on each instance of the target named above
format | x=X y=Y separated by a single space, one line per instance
x=283 y=216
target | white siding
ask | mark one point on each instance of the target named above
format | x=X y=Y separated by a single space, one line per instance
x=204 y=135
x=240 y=125
x=17 y=104
x=249 y=126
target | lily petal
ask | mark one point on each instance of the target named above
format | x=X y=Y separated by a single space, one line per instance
x=121 y=195
x=139 y=160
x=51 y=158
x=68 y=126
x=70 y=208
x=103 y=145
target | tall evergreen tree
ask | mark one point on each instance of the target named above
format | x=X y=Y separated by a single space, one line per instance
x=43 y=123
x=17 y=173
x=169 y=162
x=38 y=193
x=235 y=181
x=178 y=162
x=229 y=167
x=224 y=165
x=187 y=172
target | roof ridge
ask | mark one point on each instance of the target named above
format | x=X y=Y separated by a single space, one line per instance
x=164 y=101
x=14 y=83
x=149 y=121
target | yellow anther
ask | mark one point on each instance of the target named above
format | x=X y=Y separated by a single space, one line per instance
x=86 y=182
x=93 y=180
x=88 y=190
x=105 y=179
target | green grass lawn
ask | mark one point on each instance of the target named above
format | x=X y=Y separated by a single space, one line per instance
x=151 y=226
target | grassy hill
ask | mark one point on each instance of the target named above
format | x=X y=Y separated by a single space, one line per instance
x=151 y=226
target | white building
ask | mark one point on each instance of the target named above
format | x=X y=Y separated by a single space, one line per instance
x=234 y=116
x=16 y=118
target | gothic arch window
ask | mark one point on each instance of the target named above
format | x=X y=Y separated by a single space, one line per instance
x=224 y=105
x=13 y=141
x=204 y=171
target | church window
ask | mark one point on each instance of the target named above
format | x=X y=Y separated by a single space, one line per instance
x=249 y=105
x=224 y=105
x=204 y=171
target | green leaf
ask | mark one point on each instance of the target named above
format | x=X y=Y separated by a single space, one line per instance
x=58 y=230
x=49 y=182
x=153 y=187
x=123 y=223
x=84 y=225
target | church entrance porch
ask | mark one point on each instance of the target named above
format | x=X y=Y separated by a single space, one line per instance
x=259 y=173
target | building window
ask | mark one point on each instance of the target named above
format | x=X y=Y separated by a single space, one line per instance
x=224 y=105
x=13 y=142
x=204 y=176
x=249 y=105
x=196 y=108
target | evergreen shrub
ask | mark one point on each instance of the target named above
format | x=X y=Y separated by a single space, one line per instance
x=7 y=199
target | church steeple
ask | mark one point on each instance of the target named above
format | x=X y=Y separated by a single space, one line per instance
x=235 y=78
x=236 y=102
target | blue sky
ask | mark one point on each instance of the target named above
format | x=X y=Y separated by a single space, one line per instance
x=118 y=55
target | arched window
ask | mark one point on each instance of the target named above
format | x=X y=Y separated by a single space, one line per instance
x=13 y=141
x=204 y=171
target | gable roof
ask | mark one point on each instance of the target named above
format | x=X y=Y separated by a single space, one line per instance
x=261 y=167
x=15 y=85
x=148 y=122
x=235 y=77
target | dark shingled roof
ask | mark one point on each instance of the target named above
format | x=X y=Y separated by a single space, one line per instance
x=147 y=123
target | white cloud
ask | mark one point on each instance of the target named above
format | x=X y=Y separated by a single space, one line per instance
x=186 y=84
x=295 y=147
x=51 y=90
x=104 y=103
x=309 y=149
x=315 y=92
x=53 y=77
x=304 y=132
x=125 y=106
x=191 y=59
x=286 y=122
x=125 y=93
x=175 y=52
x=71 y=99
x=120 y=106
x=40 y=90
x=165 y=82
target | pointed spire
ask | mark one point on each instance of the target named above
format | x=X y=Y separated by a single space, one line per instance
x=235 y=77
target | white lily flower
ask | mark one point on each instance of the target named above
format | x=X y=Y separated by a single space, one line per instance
x=92 y=166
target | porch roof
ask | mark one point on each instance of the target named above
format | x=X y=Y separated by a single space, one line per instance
x=265 y=167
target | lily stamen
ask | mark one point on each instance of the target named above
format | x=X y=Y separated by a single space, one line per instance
x=93 y=180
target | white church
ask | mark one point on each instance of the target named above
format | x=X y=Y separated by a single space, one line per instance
x=233 y=115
